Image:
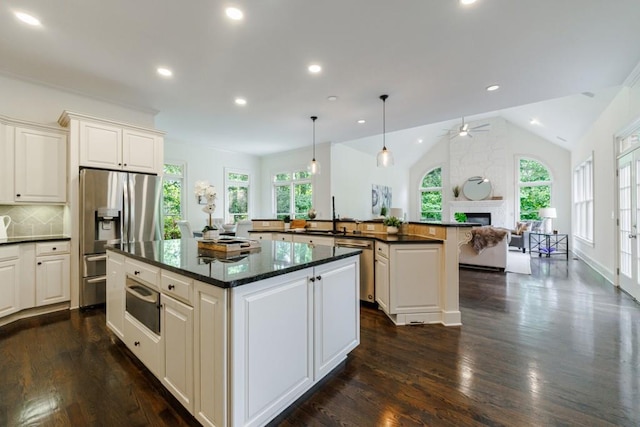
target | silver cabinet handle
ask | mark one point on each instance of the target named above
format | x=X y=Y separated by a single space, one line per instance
x=633 y=236
x=96 y=258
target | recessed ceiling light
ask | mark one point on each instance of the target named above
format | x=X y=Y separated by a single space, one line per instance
x=164 y=72
x=420 y=141
x=234 y=13
x=492 y=88
x=241 y=101
x=361 y=121
x=28 y=19
x=467 y=2
x=315 y=68
x=534 y=121
x=332 y=98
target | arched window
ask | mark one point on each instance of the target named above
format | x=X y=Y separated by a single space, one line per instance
x=431 y=195
x=534 y=182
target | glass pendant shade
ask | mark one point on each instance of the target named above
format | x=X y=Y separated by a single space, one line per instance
x=384 y=158
x=314 y=166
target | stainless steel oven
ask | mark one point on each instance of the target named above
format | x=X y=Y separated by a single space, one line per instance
x=143 y=303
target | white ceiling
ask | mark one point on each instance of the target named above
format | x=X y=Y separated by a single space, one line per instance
x=433 y=57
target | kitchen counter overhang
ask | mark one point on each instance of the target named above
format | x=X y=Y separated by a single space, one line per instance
x=231 y=269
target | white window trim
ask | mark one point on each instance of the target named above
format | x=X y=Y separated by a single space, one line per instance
x=290 y=184
x=228 y=182
x=421 y=189
x=583 y=203
x=530 y=184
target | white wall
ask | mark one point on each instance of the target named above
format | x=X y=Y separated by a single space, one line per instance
x=44 y=104
x=208 y=164
x=494 y=155
x=622 y=112
x=354 y=173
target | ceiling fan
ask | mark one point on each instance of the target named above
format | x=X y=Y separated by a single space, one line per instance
x=466 y=130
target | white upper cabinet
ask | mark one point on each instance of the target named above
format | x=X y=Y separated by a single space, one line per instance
x=40 y=166
x=111 y=145
x=33 y=163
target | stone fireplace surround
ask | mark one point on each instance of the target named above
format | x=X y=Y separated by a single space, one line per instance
x=497 y=209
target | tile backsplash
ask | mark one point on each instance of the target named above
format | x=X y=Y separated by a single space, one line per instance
x=33 y=220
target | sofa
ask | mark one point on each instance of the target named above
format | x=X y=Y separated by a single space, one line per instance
x=479 y=253
x=520 y=235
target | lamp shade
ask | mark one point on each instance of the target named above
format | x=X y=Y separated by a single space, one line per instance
x=548 y=213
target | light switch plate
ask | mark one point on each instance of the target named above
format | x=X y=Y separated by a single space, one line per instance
x=432 y=231
x=370 y=227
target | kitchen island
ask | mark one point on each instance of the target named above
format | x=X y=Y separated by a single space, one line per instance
x=241 y=335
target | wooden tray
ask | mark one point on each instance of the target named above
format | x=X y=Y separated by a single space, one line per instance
x=228 y=245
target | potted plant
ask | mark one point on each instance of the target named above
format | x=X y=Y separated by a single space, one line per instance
x=460 y=217
x=392 y=224
x=287 y=222
x=456 y=191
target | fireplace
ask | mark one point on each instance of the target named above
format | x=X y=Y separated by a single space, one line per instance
x=482 y=218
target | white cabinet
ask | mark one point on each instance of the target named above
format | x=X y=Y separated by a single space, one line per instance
x=336 y=313
x=40 y=166
x=116 y=146
x=177 y=335
x=53 y=278
x=408 y=277
x=9 y=280
x=382 y=276
x=261 y=236
x=314 y=240
x=33 y=164
x=144 y=344
x=271 y=346
x=115 y=293
x=210 y=354
x=283 y=237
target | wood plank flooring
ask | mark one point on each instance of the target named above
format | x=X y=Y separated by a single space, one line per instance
x=559 y=347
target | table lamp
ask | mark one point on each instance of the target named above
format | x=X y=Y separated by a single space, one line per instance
x=548 y=214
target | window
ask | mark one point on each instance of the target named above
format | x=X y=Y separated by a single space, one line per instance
x=172 y=195
x=292 y=194
x=431 y=196
x=237 y=195
x=583 y=200
x=535 y=188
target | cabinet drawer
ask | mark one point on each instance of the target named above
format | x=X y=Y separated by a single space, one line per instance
x=382 y=249
x=177 y=286
x=144 y=344
x=52 y=248
x=9 y=252
x=145 y=272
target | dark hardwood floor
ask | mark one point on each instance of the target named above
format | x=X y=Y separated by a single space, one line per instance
x=559 y=347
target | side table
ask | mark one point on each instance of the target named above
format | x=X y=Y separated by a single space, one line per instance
x=549 y=244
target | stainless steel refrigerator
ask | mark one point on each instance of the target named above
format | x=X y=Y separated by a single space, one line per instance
x=116 y=207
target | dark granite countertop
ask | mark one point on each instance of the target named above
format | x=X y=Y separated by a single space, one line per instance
x=380 y=237
x=16 y=240
x=227 y=270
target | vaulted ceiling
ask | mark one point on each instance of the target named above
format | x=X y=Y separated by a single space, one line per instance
x=559 y=61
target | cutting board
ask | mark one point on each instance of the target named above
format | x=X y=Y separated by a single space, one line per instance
x=228 y=245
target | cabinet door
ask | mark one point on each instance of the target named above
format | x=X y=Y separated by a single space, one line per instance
x=414 y=278
x=52 y=279
x=40 y=166
x=100 y=146
x=7 y=163
x=313 y=240
x=177 y=331
x=382 y=282
x=9 y=300
x=336 y=313
x=142 y=152
x=210 y=370
x=115 y=293
x=271 y=346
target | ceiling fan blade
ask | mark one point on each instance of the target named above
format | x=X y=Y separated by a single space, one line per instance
x=481 y=126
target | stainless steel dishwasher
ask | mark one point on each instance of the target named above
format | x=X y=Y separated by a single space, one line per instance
x=367 y=289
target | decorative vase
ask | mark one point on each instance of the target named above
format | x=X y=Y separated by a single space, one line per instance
x=392 y=230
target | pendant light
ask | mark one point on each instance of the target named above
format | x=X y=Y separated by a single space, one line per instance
x=385 y=158
x=314 y=167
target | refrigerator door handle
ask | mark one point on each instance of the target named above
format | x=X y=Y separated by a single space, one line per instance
x=126 y=207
